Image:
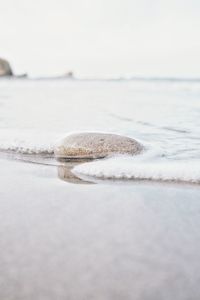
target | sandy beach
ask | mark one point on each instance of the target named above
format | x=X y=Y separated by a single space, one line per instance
x=95 y=241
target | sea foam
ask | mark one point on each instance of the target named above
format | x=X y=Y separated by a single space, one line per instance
x=27 y=141
x=129 y=168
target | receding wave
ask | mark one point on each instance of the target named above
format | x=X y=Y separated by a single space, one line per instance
x=129 y=168
x=27 y=141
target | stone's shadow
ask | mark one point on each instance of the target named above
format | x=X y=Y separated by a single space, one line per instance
x=65 y=171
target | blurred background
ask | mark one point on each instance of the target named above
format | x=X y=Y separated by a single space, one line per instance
x=99 y=38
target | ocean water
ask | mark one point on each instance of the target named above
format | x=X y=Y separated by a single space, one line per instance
x=164 y=115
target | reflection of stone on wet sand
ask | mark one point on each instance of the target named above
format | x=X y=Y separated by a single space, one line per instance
x=65 y=172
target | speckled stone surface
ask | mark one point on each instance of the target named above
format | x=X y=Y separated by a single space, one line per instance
x=96 y=145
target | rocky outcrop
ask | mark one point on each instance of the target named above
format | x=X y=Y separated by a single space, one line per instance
x=69 y=74
x=96 y=145
x=5 y=68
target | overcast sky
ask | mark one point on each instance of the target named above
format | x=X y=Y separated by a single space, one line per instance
x=102 y=37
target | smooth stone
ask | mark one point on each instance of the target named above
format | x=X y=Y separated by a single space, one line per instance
x=5 y=68
x=96 y=145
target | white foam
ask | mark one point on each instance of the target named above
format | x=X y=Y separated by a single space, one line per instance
x=133 y=168
x=27 y=141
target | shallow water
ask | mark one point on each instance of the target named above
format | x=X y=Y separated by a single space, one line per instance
x=163 y=115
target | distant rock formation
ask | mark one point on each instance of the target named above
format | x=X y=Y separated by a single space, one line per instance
x=24 y=75
x=69 y=74
x=5 y=68
x=95 y=145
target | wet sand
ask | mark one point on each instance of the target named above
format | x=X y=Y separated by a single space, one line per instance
x=120 y=240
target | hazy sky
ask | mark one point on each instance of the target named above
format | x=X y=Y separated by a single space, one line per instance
x=102 y=37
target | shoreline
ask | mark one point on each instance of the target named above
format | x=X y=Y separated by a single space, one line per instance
x=67 y=171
